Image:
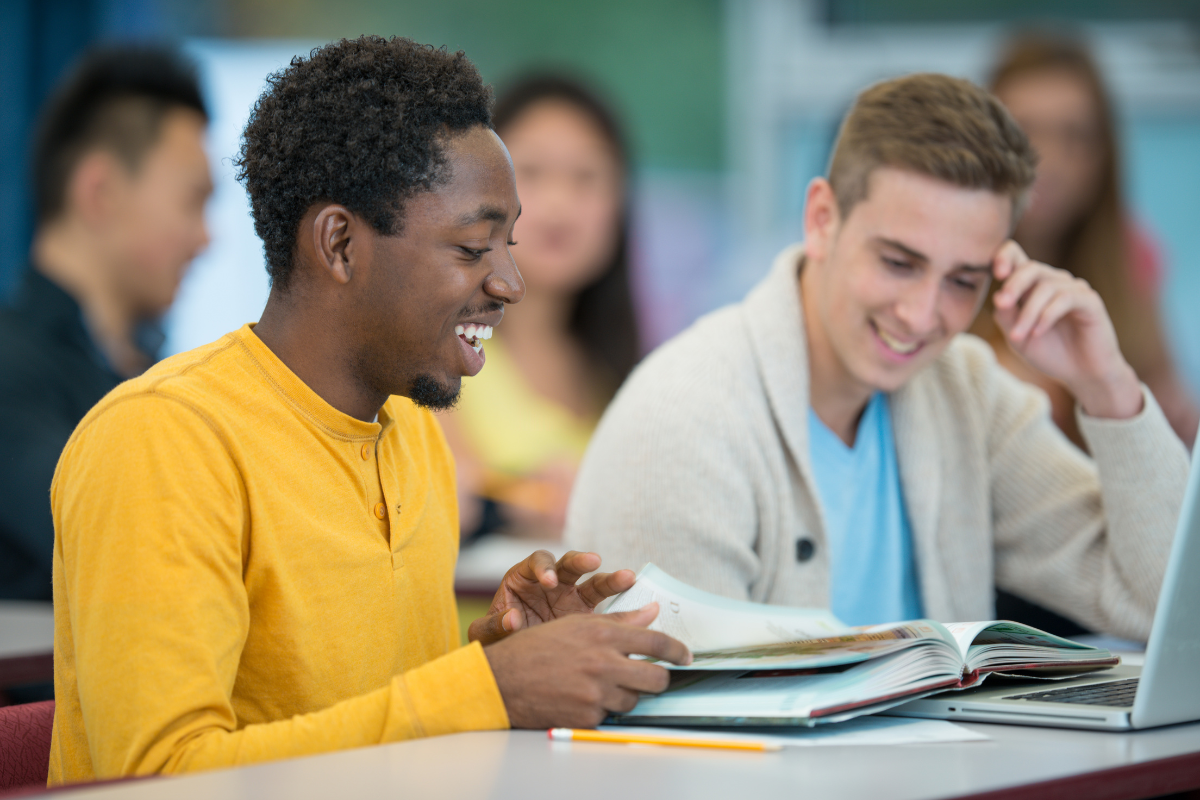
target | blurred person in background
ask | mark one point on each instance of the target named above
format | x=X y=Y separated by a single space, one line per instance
x=523 y=424
x=120 y=180
x=1077 y=217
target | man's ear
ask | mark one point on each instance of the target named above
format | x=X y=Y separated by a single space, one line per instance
x=335 y=232
x=93 y=186
x=821 y=219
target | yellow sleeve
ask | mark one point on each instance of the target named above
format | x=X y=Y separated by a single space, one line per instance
x=151 y=517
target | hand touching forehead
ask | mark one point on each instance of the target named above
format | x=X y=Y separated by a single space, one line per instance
x=949 y=226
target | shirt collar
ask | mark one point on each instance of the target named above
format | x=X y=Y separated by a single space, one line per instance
x=48 y=305
x=303 y=399
x=53 y=311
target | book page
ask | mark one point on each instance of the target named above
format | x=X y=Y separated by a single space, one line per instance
x=704 y=621
x=964 y=633
x=1012 y=645
x=799 y=696
x=858 y=644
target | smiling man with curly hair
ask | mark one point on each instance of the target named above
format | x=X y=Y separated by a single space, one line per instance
x=255 y=540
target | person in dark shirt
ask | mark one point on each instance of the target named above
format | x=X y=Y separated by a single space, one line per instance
x=120 y=182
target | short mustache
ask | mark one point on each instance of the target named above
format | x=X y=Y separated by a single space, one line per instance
x=486 y=308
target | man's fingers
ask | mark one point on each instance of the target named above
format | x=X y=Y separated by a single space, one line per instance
x=1031 y=310
x=574 y=565
x=1017 y=284
x=486 y=630
x=539 y=568
x=645 y=642
x=1007 y=258
x=642 y=676
x=1055 y=310
x=619 y=699
x=495 y=627
x=603 y=585
x=639 y=618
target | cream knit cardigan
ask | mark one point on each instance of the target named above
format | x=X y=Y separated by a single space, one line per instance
x=701 y=465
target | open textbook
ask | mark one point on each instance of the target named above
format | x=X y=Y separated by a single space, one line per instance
x=755 y=664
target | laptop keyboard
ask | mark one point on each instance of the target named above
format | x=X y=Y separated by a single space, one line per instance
x=1112 y=693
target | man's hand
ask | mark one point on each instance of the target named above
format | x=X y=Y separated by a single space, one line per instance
x=1058 y=324
x=538 y=590
x=574 y=671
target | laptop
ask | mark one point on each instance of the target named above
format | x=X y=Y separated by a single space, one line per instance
x=1162 y=692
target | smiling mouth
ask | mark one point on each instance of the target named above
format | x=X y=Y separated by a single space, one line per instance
x=473 y=335
x=894 y=344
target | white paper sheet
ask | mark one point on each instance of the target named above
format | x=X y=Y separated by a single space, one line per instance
x=705 y=621
x=855 y=732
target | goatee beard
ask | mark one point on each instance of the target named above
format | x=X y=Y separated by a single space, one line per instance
x=428 y=393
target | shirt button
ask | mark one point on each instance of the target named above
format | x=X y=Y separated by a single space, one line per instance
x=366 y=451
x=805 y=549
x=380 y=511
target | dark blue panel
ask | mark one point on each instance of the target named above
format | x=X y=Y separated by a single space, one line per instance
x=43 y=38
x=15 y=95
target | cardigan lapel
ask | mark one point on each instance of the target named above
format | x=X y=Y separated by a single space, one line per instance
x=775 y=322
x=918 y=453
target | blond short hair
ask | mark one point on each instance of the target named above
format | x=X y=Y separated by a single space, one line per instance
x=946 y=128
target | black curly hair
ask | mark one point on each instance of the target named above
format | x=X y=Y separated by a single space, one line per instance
x=361 y=122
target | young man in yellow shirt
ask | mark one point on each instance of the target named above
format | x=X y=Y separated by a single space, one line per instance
x=255 y=540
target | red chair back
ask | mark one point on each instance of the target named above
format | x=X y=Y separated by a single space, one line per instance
x=25 y=744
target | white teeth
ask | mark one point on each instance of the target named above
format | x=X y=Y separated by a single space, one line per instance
x=899 y=347
x=477 y=347
x=473 y=333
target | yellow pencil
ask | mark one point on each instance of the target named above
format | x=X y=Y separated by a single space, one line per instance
x=574 y=734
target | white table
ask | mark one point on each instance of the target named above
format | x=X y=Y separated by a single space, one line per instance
x=26 y=642
x=1029 y=763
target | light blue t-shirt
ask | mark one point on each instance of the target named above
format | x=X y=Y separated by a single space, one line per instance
x=874 y=572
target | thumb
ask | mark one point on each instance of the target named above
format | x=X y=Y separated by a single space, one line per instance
x=640 y=618
x=494 y=627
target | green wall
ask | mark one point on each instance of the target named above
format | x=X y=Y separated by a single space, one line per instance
x=660 y=61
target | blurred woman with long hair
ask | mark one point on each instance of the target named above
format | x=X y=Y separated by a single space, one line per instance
x=1077 y=219
x=557 y=359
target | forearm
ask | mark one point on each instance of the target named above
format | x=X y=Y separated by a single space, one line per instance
x=1114 y=395
x=1087 y=538
x=1143 y=470
x=451 y=694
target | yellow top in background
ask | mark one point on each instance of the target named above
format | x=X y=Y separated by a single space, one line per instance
x=513 y=431
x=243 y=573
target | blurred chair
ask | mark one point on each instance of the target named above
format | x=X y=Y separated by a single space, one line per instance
x=25 y=745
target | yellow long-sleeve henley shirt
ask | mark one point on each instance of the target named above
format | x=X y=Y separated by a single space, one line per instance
x=244 y=573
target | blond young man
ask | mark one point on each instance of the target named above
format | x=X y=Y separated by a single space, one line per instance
x=835 y=440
